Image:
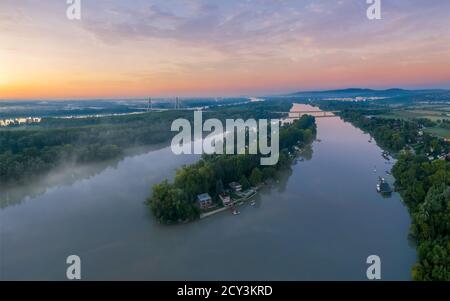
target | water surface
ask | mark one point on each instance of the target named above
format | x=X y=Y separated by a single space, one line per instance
x=319 y=222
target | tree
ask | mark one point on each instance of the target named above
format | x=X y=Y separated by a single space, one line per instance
x=169 y=204
x=269 y=172
x=256 y=176
x=219 y=186
x=244 y=182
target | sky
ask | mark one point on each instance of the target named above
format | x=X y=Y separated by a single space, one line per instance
x=182 y=48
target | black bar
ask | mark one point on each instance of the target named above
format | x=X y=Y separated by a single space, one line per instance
x=298 y=290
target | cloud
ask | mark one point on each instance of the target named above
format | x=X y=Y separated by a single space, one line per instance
x=242 y=27
x=163 y=43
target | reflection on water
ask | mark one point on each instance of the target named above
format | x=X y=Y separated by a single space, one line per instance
x=62 y=176
x=320 y=221
x=307 y=153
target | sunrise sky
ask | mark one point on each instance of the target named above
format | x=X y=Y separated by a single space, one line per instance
x=219 y=48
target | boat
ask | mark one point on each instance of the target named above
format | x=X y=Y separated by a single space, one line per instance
x=383 y=187
x=253 y=203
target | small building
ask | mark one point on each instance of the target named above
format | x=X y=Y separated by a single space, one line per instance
x=204 y=200
x=226 y=200
x=235 y=186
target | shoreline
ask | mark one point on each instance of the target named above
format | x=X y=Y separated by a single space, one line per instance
x=242 y=201
x=238 y=202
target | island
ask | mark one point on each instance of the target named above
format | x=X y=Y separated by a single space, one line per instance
x=217 y=182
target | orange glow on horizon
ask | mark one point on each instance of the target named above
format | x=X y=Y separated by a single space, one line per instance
x=45 y=56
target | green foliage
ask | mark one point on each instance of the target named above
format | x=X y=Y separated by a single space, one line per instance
x=269 y=172
x=170 y=202
x=425 y=188
x=301 y=131
x=33 y=151
x=426 y=122
x=219 y=186
x=256 y=176
x=396 y=134
x=244 y=182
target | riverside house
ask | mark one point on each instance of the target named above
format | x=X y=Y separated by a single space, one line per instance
x=204 y=200
x=226 y=200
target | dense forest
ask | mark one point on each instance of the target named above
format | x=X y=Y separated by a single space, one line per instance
x=425 y=188
x=424 y=184
x=33 y=151
x=173 y=203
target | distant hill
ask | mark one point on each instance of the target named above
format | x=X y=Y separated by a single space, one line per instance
x=358 y=92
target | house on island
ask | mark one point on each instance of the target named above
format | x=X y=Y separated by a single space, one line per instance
x=204 y=200
x=226 y=200
x=235 y=186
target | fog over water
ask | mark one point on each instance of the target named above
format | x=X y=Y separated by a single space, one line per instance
x=319 y=222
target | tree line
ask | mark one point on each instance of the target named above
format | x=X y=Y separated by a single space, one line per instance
x=425 y=188
x=29 y=152
x=396 y=134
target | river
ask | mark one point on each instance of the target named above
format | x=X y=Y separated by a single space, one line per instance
x=319 y=222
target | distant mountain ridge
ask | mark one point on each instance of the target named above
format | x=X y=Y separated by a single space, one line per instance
x=363 y=92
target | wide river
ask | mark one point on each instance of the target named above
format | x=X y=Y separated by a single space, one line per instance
x=319 y=222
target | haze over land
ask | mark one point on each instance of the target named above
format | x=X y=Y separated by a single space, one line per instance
x=207 y=48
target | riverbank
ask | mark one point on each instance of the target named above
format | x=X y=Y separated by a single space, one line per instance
x=34 y=151
x=243 y=200
x=421 y=178
x=234 y=204
x=319 y=220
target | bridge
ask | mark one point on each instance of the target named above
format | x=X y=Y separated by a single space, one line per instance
x=317 y=114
